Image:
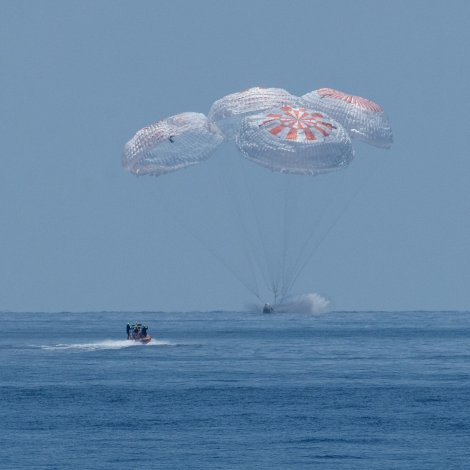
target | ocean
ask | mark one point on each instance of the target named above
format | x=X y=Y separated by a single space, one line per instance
x=217 y=390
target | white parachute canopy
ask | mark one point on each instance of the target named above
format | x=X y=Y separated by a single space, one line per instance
x=295 y=140
x=171 y=144
x=229 y=111
x=362 y=118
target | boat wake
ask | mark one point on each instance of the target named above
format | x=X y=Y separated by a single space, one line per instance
x=104 y=345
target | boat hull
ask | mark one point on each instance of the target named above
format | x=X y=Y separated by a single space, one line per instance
x=145 y=340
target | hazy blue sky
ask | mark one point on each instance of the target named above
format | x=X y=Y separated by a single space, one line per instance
x=78 y=78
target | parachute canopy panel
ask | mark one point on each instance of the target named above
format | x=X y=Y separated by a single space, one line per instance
x=171 y=144
x=362 y=118
x=295 y=140
x=229 y=111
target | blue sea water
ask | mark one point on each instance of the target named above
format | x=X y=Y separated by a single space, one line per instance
x=343 y=390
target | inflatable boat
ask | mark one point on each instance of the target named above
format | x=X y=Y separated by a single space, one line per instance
x=138 y=333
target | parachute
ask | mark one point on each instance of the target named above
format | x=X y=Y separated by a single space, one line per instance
x=362 y=118
x=291 y=136
x=228 y=112
x=171 y=144
x=295 y=140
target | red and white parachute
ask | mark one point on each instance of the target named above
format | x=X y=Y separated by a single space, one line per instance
x=362 y=118
x=308 y=135
x=295 y=140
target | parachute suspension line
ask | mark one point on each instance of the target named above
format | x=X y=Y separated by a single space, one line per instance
x=284 y=237
x=316 y=223
x=289 y=206
x=248 y=243
x=248 y=183
x=184 y=227
x=370 y=174
x=227 y=182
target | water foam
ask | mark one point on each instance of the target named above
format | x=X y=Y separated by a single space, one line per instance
x=304 y=303
x=104 y=345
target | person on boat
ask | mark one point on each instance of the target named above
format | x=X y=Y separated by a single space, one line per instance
x=128 y=329
x=144 y=331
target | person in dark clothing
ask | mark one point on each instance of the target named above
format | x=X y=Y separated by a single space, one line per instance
x=128 y=329
x=144 y=331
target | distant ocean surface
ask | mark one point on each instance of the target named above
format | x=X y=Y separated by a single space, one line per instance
x=344 y=390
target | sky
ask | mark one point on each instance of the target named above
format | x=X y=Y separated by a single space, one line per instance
x=79 y=78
